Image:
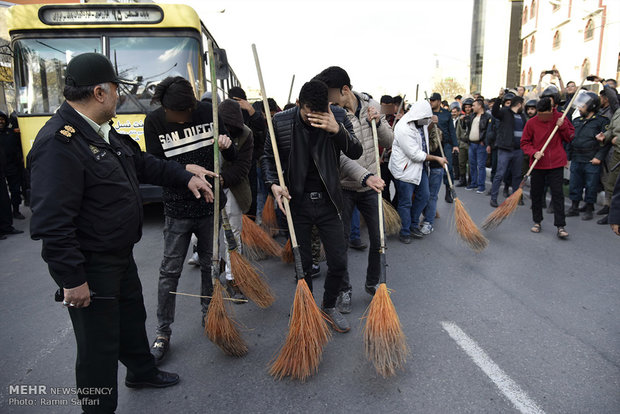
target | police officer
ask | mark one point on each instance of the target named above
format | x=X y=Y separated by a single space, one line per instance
x=87 y=211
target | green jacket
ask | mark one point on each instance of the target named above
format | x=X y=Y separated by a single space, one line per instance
x=613 y=130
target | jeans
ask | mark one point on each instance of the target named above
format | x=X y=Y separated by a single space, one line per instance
x=177 y=235
x=478 y=165
x=508 y=162
x=367 y=202
x=584 y=174
x=235 y=219
x=434 y=185
x=409 y=211
x=554 y=179
x=109 y=331
x=355 y=225
x=447 y=149
x=323 y=214
x=261 y=192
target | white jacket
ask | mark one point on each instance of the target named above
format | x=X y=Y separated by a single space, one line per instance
x=408 y=158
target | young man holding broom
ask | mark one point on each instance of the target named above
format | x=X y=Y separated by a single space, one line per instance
x=358 y=179
x=310 y=139
x=182 y=130
x=550 y=167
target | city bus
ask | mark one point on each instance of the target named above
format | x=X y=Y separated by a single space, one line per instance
x=145 y=43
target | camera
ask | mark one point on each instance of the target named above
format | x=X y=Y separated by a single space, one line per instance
x=549 y=72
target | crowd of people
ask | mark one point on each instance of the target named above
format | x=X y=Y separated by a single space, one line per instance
x=326 y=147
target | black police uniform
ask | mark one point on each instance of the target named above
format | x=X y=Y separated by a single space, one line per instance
x=87 y=210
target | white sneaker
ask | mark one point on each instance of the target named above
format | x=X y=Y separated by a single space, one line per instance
x=426 y=228
x=194 y=260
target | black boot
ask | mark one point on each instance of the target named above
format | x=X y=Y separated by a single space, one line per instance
x=603 y=211
x=573 y=210
x=603 y=220
x=588 y=214
x=448 y=198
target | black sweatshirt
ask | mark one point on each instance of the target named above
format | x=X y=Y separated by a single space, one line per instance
x=186 y=143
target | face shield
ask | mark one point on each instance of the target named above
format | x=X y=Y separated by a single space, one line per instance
x=582 y=100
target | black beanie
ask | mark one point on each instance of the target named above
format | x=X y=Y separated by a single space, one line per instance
x=230 y=111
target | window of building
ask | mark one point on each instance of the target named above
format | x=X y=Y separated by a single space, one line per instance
x=533 y=9
x=525 y=48
x=525 y=15
x=555 y=5
x=585 y=68
x=588 y=33
x=523 y=78
x=529 y=76
x=533 y=45
x=556 y=40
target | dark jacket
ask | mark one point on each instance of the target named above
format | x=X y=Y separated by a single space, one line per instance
x=484 y=125
x=235 y=173
x=12 y=147
x=187 y=143
x=293 y=149
x=258 y=125
x=504 y=135
x=614 y=207
x=85 y=192
x=584 y=146
x=447 y=127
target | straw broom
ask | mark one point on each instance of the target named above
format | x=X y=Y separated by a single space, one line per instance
x=392 y=219
x=219 y=327
x=257 y=244
x=269 y=219
x=308 y=332
x=465 y=226
x=384 y=340
x=509 y=206
x=246 y=277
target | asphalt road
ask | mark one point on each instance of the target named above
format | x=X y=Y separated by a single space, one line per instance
x=529 y=325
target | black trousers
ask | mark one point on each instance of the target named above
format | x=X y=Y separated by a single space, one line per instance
x=109 y=331
x=253 y=177
x=387 y=176
x=554 y=179
x=15 y=188
x=323 y=214
x=6 y=216
x=368 y=205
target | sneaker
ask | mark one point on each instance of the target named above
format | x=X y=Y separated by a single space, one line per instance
x=417 y=234
x=470 y=187
x=480 y=191
x=234 y=292
x=344 y=302
x=19 y=216
x=316 y=271
x=494 y=203
x=357 y=244
x=194 y=260
x=371 y=289
x=404 y=239
x=426 y=228
x=160 y=348
x=337 y=320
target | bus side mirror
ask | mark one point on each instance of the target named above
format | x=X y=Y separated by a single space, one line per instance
x=221 y=63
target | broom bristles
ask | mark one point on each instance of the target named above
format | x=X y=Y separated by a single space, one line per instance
x=249 y=281
x=221 y=329
x=467 y=229
x=308 y=334
x=392 y=219
x=287 y=253
x=384 y=340
x=503 y=211
x=269 y=219
x=257 y=241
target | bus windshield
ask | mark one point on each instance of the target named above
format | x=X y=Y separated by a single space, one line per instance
x=40 y=69
x=149 y=60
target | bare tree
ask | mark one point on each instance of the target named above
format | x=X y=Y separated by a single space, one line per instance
x=448 y=88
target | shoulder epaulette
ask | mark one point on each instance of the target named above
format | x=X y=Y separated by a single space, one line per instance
x=65 y=133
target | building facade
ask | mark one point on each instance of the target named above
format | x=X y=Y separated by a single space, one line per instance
x=576 y=37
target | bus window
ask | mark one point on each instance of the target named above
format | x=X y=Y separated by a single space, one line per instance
x=149 y=60
x=40 y=69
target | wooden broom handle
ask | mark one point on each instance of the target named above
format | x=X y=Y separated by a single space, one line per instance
x=274 y=146
x=216 y=161
x=375 y=137
x=555 y=129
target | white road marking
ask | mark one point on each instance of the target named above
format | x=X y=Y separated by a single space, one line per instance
x=506 y=385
